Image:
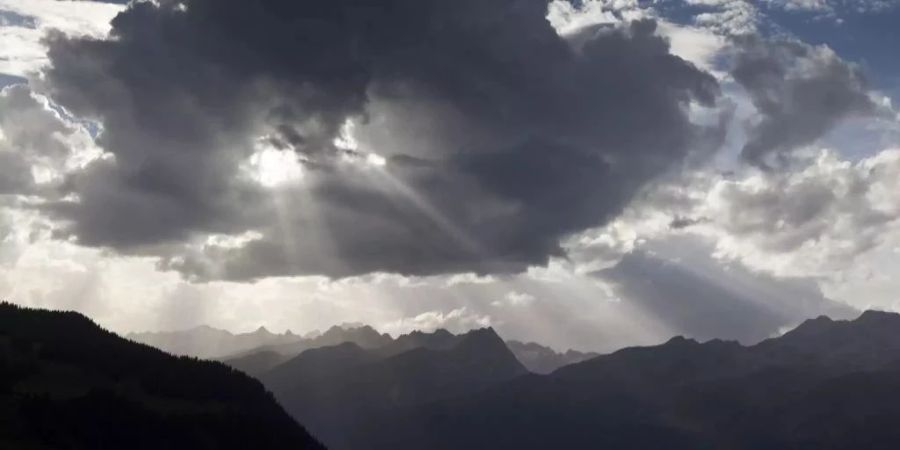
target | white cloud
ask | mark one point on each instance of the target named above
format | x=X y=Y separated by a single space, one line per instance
x=457 y=321
x=568 y=18
x=727 y=17
x=514 y=299
x=827 y=219
x=468 y=278
x=695 y=44
x=38 y=136
x=810 y=222
x=832 y=8
x=804 y=5
x=22 y=48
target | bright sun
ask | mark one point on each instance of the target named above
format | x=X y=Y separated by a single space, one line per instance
x=272 y=167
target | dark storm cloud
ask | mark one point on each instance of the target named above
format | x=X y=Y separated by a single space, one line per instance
x=800 y=91
x=681 y=222
x=500 y=136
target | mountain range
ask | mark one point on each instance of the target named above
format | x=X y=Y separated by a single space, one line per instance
x=827 y=384
x=208 y=343
x=543 y=360
x=257 y=352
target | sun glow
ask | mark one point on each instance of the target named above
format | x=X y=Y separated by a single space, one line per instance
x=273 y=168
x=376 y=160
x=345 y=139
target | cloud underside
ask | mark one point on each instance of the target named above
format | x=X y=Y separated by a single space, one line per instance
x=498 y=136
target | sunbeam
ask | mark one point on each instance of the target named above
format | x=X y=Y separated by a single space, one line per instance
x=397 y=186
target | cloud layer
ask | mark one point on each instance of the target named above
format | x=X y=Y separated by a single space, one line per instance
x=431 y=137
x=800 y=93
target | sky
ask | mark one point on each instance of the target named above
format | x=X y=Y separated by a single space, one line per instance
x=589 y=174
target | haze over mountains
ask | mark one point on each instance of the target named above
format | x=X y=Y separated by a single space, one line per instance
x=209 y=342
x=540 y=359
x=826 y=384
x=261 y=350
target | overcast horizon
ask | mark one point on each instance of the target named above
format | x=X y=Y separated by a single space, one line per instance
x=591 y=174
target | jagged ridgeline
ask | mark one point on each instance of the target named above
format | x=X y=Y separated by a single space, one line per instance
x=824 y=385
x=66 y=383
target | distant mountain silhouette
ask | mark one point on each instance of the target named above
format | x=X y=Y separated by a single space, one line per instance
x=439 y=339
x=212 y=343
x=535 y=357
x=543 y=360
x=258 y=352
x=825 y=385
x=362 y=335
x=208 y=343
x=65 y=383
x=867 y=343
x=336 y=390
x=263 y=358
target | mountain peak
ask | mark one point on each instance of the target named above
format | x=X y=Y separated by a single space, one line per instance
x=346 y=327
x=812 y=327
x=364 y=335
x=312 y=334
x=442 y=332
x=872 y=315
x=352 y=325
x=482 y=339
x=482 y=333
x=437 y=332
x=824 y=324
x=680 y=340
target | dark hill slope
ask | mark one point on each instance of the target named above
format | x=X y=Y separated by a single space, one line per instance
x=65 y=383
